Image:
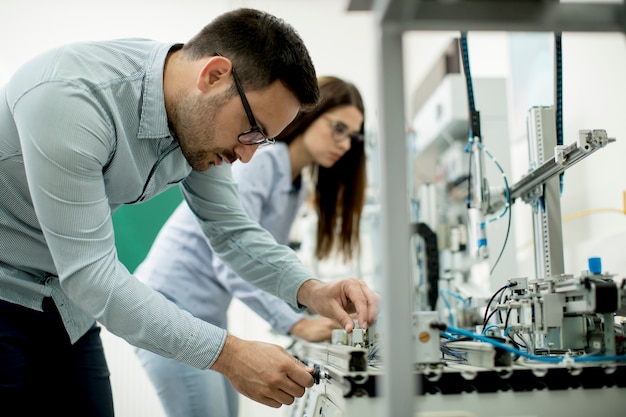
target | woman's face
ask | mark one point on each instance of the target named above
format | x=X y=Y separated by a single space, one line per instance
x=330 y=136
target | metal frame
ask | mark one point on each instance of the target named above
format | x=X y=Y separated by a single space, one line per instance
x=393 y=18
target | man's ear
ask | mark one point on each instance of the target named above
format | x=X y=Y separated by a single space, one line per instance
x=214 y=73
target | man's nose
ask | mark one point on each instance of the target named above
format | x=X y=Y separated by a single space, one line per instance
x=245 y=152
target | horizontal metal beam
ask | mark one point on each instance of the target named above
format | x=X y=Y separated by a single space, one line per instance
x=588 y=143
x=498 y=15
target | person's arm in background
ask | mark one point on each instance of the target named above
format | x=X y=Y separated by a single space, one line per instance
x=316 y=329
x=241 y=243
x=265 y=184
x=267 y=373
x=279 y=315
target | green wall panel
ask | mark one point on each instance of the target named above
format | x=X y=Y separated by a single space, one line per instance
x=137 y=225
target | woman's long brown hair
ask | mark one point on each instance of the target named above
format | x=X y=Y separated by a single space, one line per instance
x=339 y=190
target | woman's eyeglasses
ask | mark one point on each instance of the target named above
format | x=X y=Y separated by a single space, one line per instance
x=254 y=135
x=342 y=132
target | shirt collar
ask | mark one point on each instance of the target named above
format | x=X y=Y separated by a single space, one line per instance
x=153 y=123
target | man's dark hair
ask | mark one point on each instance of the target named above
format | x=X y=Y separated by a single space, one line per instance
x=263 y=49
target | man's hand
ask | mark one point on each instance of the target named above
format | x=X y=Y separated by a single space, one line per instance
x=314 y=330
x=338 y=299
x=263 y=372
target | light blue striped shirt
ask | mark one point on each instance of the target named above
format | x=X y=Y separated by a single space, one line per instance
x=83 y=130
x=181 y=263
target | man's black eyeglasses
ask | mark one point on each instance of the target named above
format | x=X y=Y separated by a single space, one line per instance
x=254 y=135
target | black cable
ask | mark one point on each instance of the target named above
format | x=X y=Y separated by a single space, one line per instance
x=508 y=228
x=558 y=81
x=558 y=99
x=469 y=184
x=521 y=338
x=473 y=114
x=500 y=303
x=508 y=315
x=489 y=317
x=470 y=98
x=491 y=301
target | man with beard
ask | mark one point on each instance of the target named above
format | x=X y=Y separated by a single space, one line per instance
x=88 y=127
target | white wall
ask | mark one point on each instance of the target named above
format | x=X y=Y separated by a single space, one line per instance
x=340 y=43
x=344 y=44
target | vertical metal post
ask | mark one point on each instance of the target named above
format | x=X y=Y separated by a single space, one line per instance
x=399 y=379
x=548 y=231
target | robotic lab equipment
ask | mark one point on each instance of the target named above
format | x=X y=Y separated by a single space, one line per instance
x=535 y=343
x=555 y=341
x=558 y=313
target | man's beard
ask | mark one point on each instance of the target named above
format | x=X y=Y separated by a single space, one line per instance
x=193 y=122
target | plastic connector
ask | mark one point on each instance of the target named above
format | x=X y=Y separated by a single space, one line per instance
x=595 y=265
x=440 y=326
x=318 y=374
